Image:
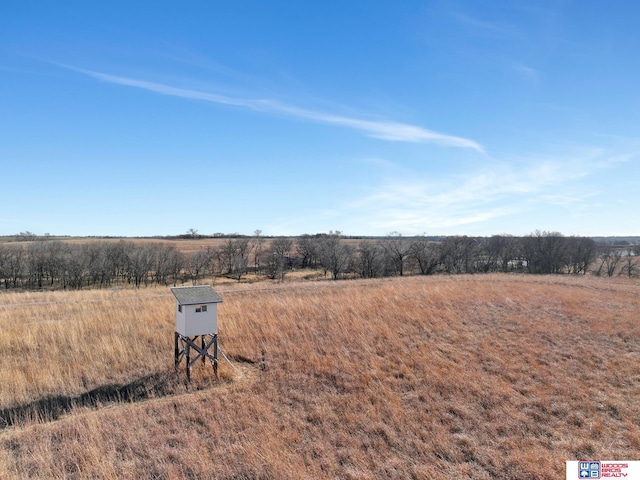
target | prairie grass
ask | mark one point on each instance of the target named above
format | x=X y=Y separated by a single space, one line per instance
x=484 y=377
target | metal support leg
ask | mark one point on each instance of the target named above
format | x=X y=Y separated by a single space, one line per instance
x=215 y=355
x=176 y=350
x=187 y=349
x=203 y=348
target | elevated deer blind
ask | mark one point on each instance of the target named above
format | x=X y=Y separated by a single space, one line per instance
x=196 y=326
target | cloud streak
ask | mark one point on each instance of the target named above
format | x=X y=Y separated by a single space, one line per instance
x=527 y=72
x=381 y=129
x=475 y=199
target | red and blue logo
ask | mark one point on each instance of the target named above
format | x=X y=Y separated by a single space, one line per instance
x=588 y=469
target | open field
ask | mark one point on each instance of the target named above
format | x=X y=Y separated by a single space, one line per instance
x=484 y=377
x=184 y=245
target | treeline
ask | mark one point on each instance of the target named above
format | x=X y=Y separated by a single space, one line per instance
x=55 y=264
x=537 y=253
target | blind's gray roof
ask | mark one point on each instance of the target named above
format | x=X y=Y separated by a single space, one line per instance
x=193 y=295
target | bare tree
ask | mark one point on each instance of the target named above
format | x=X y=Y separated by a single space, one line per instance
x=370 y=259
x=226 y=256
x=505 y=250
x=15 y=265
x=278 y=257
x=580 y=253
x=307 y=247
x=546 y=252
x=630 y=266
x=3 y=267
x=36 y=264
x=141 y=259
x=459 y=254
x=396 y=248
x=425 y=254
x=608 y=261
x=197 y=265
x=52 y=260
x=334 y=255
x=94 y=258
x=177 y=264
x=117 y=260
x=234 y=257
x=74 y=270
x=257 y=245
x=167 y=264
x=26 y=236
x=8 y=256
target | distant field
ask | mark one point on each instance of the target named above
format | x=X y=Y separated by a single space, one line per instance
x=482 y=377
x=184 y=245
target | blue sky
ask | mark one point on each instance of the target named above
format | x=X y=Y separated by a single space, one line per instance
x=435 y=117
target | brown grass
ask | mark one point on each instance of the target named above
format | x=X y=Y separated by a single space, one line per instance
x=184 y=245
x=485 y=377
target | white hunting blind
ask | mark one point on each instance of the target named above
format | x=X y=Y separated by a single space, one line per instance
x=196 y=310
x=196 y=318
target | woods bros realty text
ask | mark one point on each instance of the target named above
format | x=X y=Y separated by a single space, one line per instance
x=603 y=469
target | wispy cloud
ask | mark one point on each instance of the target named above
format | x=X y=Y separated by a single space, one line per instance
x=382 y=129
x=477 y=197
x=527 y=72
x=448 y=203
x=379 y=162
x=489 y=27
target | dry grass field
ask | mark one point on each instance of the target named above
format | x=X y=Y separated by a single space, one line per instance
x=482 y=377
x=184 y=245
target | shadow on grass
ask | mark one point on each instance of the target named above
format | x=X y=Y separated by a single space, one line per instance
x=160 y=384
x=53 y=407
